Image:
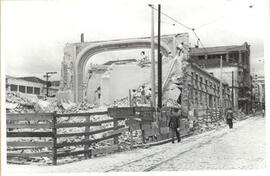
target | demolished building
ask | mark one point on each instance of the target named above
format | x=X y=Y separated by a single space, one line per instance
x=196 y=88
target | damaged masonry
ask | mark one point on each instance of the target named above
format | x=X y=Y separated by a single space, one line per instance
x=120 y=84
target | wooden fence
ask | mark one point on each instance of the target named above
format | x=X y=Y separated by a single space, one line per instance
x=45 y=126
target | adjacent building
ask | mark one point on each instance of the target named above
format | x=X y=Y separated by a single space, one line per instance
x=30 y=85
x=235 y=70
x=258 y=91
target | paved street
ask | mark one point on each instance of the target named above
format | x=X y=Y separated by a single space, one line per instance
x=243 y=147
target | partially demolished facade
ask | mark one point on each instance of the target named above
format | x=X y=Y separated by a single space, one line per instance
x=184 y=84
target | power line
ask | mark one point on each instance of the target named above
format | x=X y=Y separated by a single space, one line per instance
x=187 y=27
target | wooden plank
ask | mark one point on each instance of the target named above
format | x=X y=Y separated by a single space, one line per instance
x=82 y=114
x=86 y=137
x=54 y=140
x=149 y=132
x=29 y=144
x=105 y=150
x=29 y=134
x=46 y=126
x=90 y=133
x=146 y=126
x=74 y=153
x=30 y=116
x=164 y=130
x=64 y=144
x=121 y=111
x=117 y=131
x=44 y=154
x=69 y=125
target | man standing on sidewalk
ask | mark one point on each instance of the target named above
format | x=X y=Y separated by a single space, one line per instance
x=174 y=124
x=230 y=117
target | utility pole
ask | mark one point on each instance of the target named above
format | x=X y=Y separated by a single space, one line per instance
x=153 y=65
x=159 y=65
x=232 y=90
x=220 y=93
x=47 y=81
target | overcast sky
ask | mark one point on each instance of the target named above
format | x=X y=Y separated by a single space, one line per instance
x=34 y=33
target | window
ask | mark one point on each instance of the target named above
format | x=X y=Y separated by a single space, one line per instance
x=197 y=79
x=22 y=89
x=206 y=82
x=29 y=90
x=36 y=90
x=201 y=57
x=14 y=87
x=192 y=77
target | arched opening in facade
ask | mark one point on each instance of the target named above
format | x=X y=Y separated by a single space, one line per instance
x=86 y=54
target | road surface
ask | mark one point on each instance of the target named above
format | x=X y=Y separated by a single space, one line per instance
x=243 y=147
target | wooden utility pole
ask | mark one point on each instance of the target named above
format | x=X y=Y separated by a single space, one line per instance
x=232 y=90
x=153 y=65
x=220 y=93
x=47 y=81
x=159 y=65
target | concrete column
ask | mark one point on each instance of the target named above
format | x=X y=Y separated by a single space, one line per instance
x=240 y=57
x=227 y=57
x=205 y=56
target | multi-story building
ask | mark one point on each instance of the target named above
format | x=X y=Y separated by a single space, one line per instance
x=235 y=70
x=203 y=93
x=258 y=91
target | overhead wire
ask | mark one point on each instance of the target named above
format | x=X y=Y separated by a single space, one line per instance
x=182 y=24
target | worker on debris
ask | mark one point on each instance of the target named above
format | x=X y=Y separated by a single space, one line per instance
x=143 y=57
x=98 y=95
x=143 y=95
x=174 y=124
x=148 y=95
x=133 y=98
x=229 y=118
x=180 y=48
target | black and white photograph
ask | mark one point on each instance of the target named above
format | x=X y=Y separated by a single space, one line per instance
x=112 y=86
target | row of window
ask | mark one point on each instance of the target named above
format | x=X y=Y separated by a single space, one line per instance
x=212 y=85
x=25 y=89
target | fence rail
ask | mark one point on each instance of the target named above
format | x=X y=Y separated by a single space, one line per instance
x=24 y=125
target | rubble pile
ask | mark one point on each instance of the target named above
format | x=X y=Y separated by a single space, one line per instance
x=17 y=104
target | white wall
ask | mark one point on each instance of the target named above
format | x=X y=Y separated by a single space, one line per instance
x=115 y=84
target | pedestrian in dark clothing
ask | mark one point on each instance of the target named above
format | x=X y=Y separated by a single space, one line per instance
x=230 y=117
x=174 y=124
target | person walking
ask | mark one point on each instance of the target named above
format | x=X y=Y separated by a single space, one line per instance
x=174 y=124
x=229 y=118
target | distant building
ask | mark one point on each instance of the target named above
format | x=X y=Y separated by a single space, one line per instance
x=236 y=59
x=204 y=90
x=258 y=92
x=30 y=85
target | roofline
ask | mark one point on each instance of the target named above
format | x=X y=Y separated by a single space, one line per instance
x=204 y=71
x=111 y=40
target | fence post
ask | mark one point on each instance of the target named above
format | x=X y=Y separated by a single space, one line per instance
x=115 y=125
x=54 y=131
x=143 y=133
x=87 y=129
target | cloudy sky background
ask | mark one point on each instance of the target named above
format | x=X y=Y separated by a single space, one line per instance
x=34 y=33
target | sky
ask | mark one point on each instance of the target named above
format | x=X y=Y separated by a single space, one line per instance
x=34 y=33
